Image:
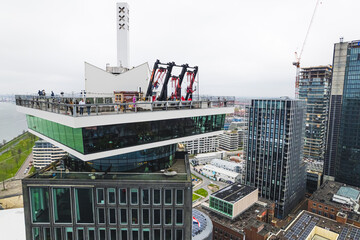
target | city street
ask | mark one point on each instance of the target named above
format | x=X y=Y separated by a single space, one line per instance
x=204 y=184
x=20 y=173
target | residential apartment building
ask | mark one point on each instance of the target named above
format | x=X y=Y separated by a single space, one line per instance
x=314 y=89
x=44 y=153
x=274 y=161
x=202 y=145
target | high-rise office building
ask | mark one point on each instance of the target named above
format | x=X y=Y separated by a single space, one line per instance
x=126 y=177
x=274 y=151
x=314 y=89
x=342 y=158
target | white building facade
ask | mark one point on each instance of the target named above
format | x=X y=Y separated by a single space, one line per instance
x=45 y=153
x=203 y=145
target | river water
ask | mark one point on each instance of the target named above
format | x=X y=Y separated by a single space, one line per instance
x=12 y=123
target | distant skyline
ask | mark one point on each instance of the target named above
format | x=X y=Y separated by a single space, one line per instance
x=242 y=48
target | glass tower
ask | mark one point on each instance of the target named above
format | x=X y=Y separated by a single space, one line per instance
x=347 y=162
x=274 y=152
x=314 y=89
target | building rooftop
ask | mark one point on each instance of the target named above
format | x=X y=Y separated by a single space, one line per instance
x=106 y=106
x=348 y=192
x=67 y=169
x=204 y=228
x=308 y=224
x=220 y=170
x=328 y=189
x=218 y=162
x=247 y=219
x=234 y=192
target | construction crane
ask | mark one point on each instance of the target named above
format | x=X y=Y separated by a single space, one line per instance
x=298 y=56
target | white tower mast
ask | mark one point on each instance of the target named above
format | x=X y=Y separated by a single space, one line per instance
x=122 y=16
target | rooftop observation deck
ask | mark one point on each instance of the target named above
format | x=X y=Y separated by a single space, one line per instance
x=69 y=170
x=104 y=106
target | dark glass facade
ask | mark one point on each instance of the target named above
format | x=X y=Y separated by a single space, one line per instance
x=274 y=152
x=148 y=160
x=103 y=138
x=348 y=154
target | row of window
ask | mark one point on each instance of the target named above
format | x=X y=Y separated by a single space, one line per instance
x=83 y=200
x=69 y=233
x=148 y=197
x=325 y=207
x=134 y=216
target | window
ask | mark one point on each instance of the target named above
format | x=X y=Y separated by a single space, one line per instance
x=122 y=193
x=168 y=216
x=145 y=197
x=135 y=234
x=146 y=234
x=168 y=197
x=80 y=234
x=123 y=216
x=179 y=234
x=102 y=234
x=124 y=234
x=157 y=197
x=112 y=234
x=47 y=234
x=156 y=217
x=320 y=206
x=100 y=195
x=179 y=196
x=134 y=216
x=69 y=233
x=91 y=233
x=157 y=234
x=111 y=195
x=101 y=215
x=179 y=217
x=112 y=215
x=39 y=199
x=62 y=205
x=58 y=234
x=134 y=196
x=36 y=233
x=84 y=205
x=168 y=234
x=146 y=216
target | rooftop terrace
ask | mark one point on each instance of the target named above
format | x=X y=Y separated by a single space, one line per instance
x=106 y=106
x=68 y=169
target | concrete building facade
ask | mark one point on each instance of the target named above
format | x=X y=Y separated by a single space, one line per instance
x=314 y=89
x=45 y=153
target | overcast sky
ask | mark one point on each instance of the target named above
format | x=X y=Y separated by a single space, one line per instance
x=242 y=48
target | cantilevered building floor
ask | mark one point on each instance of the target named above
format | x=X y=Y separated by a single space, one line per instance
x=126 y=177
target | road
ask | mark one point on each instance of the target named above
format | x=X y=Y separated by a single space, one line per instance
x=20 y=173
x=204 y=184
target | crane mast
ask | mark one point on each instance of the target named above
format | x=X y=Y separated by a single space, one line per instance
x=296 y=63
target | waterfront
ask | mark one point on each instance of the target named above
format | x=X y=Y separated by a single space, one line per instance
x=12 y=123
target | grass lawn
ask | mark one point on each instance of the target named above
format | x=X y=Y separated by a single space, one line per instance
x=11 y=160
x=202 y=192
x=195 y=197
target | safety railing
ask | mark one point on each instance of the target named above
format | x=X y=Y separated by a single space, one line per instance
x=72 y=106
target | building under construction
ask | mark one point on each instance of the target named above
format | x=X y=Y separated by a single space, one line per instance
x=314 y=88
